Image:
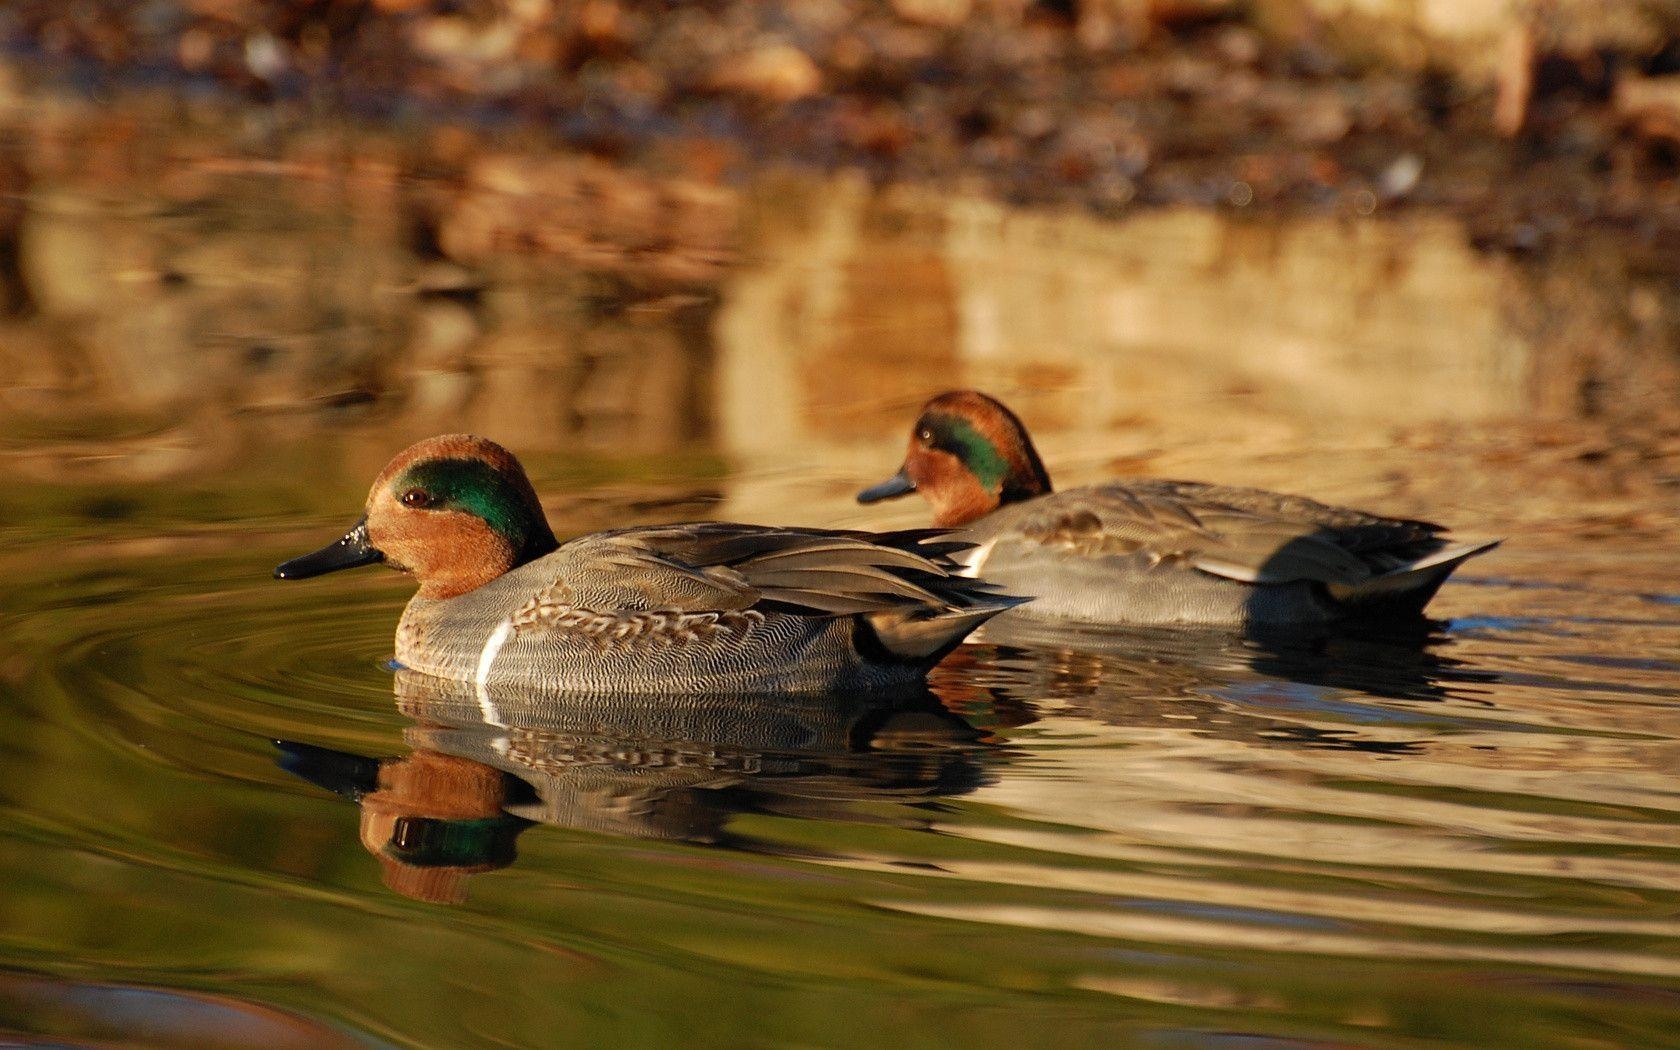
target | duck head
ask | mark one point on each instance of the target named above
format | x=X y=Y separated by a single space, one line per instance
x=431 y=819
x=969 y=455
x=454 y=511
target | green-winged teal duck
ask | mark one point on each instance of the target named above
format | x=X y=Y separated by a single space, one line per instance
x=700 y=607
x=1147 y=551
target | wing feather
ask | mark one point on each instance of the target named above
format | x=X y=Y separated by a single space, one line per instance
x=1244 y=534
x=716 y=566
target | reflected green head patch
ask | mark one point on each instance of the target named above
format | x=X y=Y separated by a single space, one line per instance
x=429 y=842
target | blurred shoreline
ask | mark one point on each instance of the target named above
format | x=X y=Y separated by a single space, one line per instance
x=1526 y=119
x=1338 y=278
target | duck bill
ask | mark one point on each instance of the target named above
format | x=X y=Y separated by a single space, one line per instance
x=343 y=773
x=892 y=488
x=351 y=550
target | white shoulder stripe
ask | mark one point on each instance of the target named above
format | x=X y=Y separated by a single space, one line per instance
x=492 y=647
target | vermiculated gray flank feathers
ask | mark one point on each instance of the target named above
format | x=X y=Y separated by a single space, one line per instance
x=712 y=605
x=1152 y=551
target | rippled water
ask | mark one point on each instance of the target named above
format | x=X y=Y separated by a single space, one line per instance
x=1467 y=836
x=225 y=822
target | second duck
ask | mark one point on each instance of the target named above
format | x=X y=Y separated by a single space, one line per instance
x=1149 y=551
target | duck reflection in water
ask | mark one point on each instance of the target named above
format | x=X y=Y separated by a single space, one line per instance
x=1384 y=690
x=486 y=765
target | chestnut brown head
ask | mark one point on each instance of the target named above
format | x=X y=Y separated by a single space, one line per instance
x=968 y=456
x=454 y=511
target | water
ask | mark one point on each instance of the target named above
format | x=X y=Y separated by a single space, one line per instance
x=1467 y=835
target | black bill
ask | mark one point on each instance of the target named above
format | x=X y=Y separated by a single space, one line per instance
x=892 y=488
x=346 y=553
x=340 y=772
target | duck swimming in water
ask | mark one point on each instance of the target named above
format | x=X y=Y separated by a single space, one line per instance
x=1147 y=551
x=700 y=607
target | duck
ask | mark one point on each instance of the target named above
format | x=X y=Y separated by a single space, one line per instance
x=687 y=608
x=1146 y=551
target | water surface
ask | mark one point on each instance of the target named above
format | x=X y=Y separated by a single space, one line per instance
x=224 y=821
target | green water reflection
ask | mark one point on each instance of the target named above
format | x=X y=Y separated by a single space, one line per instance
x=1126 y=840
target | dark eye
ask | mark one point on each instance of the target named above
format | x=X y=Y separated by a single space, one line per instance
x=925 y=436
x=419 y=499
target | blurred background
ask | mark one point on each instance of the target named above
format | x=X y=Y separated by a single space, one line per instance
x=1175 y=233
x=705 y=260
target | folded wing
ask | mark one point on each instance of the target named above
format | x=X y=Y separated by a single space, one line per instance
x=1242 y=534
x=716 y=566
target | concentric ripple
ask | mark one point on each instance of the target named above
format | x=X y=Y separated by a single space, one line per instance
x=1162 y=838
x=169 y=654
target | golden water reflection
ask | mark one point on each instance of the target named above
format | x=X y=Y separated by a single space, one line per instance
x=175 y=305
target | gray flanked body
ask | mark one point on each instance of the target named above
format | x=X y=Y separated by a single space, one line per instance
x=707 y=607
x=1176 y=552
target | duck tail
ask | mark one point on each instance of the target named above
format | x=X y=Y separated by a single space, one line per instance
x=923 y=635
x=1407 y=588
